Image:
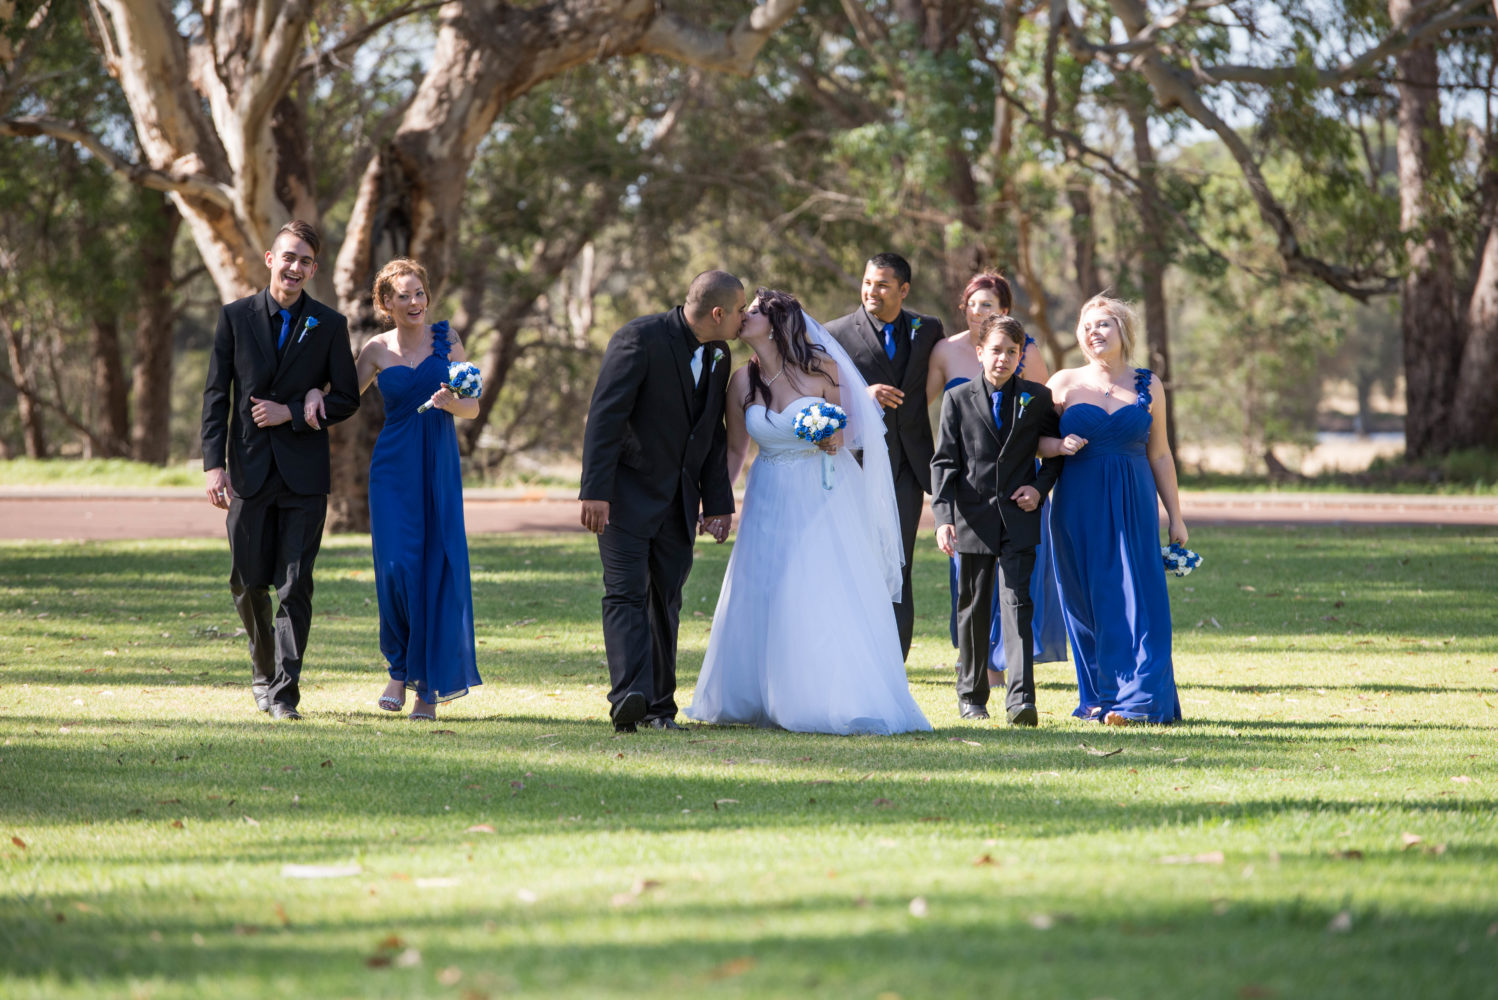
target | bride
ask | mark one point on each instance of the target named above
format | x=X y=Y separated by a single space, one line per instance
x=804 y=634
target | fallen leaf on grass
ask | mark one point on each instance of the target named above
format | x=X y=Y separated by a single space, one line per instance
x=246 y=930
x=1254 y=991
x=986 y=859
x=321 y=871
x=1351 y=854
x=444 y=732
x=252 y=821
x=883 y=802
x=177 y=824
x=326 y=763
x=1095 y=752
x=732 y=967
x=18 y=842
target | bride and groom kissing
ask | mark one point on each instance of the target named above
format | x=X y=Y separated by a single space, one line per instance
x=814 y=619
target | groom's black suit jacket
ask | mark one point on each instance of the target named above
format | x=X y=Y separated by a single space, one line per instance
x=245 y=363
x=978 y=466
x=648 y=449
x=907 y=427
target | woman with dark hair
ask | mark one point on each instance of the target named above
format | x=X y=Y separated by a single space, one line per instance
x=953 y=362
x=804 y=635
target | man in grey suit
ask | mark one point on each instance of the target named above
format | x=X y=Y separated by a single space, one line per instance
x=891 y=346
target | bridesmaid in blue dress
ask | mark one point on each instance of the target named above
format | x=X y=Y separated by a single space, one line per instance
x=416 y=500
x=1105 y=527
x=953 y=362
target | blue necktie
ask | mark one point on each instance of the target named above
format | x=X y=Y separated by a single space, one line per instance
x=998 y=409
x=285 y=329
x=889 y=340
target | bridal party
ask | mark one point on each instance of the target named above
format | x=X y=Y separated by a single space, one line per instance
x=1044 y=489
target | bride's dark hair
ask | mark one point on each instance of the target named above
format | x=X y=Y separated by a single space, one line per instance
x=788 y=333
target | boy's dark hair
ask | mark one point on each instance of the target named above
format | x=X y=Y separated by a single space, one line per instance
x=302 y=231
x=1008 y=326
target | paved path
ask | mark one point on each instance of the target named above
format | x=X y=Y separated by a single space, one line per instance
x=184 y=513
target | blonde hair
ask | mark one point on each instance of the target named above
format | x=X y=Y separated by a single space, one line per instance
x=384 y=283
x=1121 y=313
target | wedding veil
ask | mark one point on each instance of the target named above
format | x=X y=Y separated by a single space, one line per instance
x=873 y=488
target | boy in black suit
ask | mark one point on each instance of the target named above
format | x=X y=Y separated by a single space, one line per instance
x=265 y=464
x=986 y=495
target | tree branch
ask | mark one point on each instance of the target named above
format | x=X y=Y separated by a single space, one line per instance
x=191 y=185
x=734 y=51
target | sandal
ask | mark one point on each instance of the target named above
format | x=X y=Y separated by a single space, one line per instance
x=417 y=715
x=390 y=702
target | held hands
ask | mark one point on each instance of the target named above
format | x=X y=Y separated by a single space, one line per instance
x=946 y=539
x=1028 y=498
x=718 y=526
x=832 y=444
x=1071 y=444
x=312 y=408
x=216 y=482
x=886 y=395
x=595 y=515
x=268 y=414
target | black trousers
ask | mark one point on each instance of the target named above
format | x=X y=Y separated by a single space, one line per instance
x=273 y=541
x=975 y=587
x=642 y=583
x=910 y=500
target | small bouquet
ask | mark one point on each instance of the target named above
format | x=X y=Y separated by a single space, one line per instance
x=817 y=423
x=463 y=381
x=1179 y=559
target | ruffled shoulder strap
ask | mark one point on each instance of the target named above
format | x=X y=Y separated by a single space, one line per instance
x=440 y=342
x=1029 y=340
x=1142 y=378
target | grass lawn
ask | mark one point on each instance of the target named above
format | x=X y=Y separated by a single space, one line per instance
x=1322 y=825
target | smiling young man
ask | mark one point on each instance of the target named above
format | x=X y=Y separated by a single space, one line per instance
x=891 y=347
x=262 y=461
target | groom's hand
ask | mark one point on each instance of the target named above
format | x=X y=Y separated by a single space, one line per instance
x=886 y=395
x=946 y=539
x=595 y=515
x=718 y=526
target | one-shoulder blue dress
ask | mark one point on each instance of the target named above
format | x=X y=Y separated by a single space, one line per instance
x=1049 y=629
x=1105 y=537
x=420 y=547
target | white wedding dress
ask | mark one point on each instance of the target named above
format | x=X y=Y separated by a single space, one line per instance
x=804 y=634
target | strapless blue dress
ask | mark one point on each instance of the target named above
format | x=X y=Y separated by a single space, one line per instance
x=1105 y=539
x=420 y=546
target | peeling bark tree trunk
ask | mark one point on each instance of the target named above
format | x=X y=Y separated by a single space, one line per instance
x=1476 y=416
x=151 y=376
x=1428 y=317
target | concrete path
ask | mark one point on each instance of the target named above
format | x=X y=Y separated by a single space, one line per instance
x=61 y=513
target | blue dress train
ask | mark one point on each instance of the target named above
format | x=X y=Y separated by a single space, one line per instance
x=420 y=546
x=1105 y=542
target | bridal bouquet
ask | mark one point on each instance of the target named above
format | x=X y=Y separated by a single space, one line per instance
x=463 y=381
x=1179 y=559
x=816 y=423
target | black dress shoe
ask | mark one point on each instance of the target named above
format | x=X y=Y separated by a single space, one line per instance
x=1025 y=715
x=625 y=727
x=631 y=709
x=968 y=710
x=664 y=724
x=281 y=710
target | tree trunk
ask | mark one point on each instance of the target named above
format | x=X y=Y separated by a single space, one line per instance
x=1428 y=317
x=27 y=407
x=1476 y=410
x=111 y=421
x=151 y=381
x=1155 y=259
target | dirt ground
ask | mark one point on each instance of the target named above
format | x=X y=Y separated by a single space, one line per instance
x=61 y=514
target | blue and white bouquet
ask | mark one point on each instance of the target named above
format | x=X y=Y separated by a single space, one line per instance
x=815 y=424
x=463 y=381
x=1179 y=559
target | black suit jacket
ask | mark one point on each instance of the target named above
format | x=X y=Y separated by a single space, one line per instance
x=244 y=364
x=642 y=451
x=907 y=427
x=978 y=466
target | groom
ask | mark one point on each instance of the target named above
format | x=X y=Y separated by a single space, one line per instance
x=891 y=347
x=655 y=474
x=268 y=350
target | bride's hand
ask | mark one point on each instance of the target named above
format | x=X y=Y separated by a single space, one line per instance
x=832 y=444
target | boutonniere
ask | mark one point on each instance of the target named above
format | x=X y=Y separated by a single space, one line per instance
x=915 y=327
x=717 y=356
x=1024 y=401
x=307 y=324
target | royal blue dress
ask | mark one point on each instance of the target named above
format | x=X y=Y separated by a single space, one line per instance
x=420 y=547
x=1105 y=541
x=1049 y=629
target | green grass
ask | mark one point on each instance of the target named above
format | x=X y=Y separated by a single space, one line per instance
x=100 y=473
x=1339 y=692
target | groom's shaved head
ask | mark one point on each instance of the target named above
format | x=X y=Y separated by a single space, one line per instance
x=713 y=290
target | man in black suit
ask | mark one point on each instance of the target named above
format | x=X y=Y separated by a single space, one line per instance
x=268 y=350
x=891 y=346
x=987 y=499
x=655 y=474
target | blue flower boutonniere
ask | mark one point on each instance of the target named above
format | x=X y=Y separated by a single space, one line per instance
x=1024 y=401
x=915 y=327
x=307 y=324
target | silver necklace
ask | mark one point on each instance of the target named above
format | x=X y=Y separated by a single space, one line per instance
x=771 y=381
